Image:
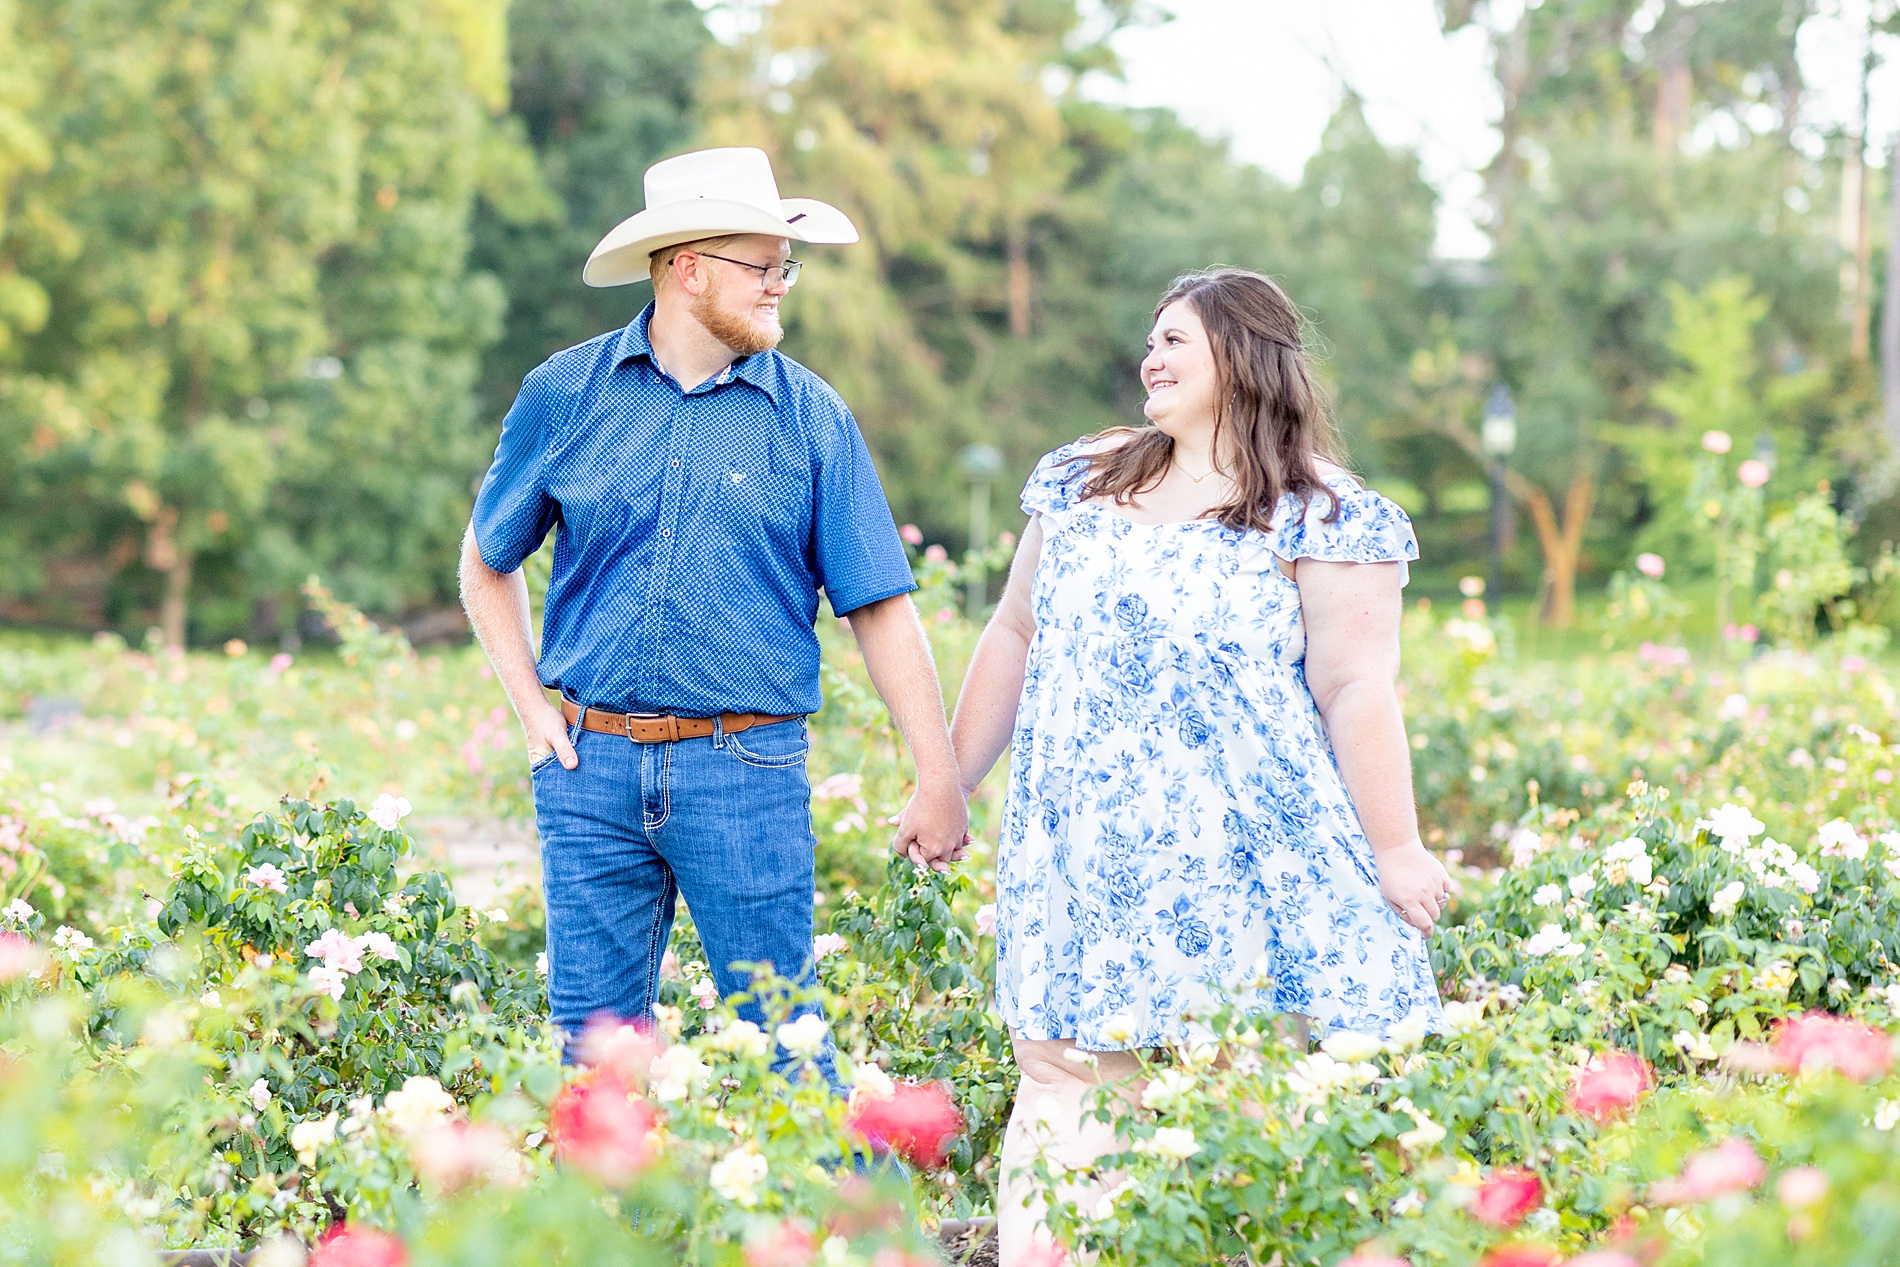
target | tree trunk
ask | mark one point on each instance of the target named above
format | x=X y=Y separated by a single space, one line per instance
x=172 y=613
x=1562 y=542
x=163 y=554
x=1890 y=314
x=1019 y=279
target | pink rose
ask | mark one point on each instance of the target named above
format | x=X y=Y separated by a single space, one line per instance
x=1753 y=473
x=1731 y=1166
x=1650 y=565
x=1818 y=1041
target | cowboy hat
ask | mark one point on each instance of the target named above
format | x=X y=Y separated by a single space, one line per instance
x=706 y=194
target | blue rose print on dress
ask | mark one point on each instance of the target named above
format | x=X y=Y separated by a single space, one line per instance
x=1176 y=832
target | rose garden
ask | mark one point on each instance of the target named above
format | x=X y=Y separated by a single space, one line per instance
x=230 y=1019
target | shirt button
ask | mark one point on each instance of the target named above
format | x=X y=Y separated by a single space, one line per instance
x=666 y=532
x=676 y=464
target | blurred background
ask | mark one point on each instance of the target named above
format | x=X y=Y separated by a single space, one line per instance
x=1600 y=287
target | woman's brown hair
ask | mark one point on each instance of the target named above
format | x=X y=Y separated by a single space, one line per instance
x=1266 y=403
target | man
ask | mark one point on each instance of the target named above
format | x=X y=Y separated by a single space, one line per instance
x=703 y=488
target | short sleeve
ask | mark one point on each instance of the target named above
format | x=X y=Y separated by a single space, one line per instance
x=1369 y=528
x=513 y=512
x=1056 y=483
x=860 y=558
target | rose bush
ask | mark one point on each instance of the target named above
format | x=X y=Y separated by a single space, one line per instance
x=227 y=1017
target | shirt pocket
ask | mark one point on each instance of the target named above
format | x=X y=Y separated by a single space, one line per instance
x=765 y=502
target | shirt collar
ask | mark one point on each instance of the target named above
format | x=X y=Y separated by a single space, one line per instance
x=755 y=369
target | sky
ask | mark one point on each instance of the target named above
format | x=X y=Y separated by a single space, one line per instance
x=1267 y=74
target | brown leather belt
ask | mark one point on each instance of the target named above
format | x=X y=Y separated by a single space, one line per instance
x=661 y=727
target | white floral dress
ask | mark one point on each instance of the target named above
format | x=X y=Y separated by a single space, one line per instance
x=1177 y=833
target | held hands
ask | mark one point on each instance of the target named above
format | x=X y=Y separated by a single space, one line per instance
x=1415 y=883
x=933 y=830
x=546 y=731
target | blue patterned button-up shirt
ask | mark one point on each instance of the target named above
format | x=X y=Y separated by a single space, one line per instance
x=693 y=529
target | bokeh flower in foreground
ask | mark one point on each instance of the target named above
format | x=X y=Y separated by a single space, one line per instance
x=1506 y=1197
x=1817 y=1041
x=1731 y=1166
x=344 y=1246
x=18 y=957
x=782 y=1243
x=1608 y=1084
x=599 y=1127
x=916 y=1121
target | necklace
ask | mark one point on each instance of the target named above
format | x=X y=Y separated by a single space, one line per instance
x=1194 y=479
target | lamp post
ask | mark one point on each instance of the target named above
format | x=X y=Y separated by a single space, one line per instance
x=981 y=464
x=1498 y=438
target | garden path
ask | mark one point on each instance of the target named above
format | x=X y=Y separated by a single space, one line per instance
x=484 y=856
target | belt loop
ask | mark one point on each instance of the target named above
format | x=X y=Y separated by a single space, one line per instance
x=719 y=731
x=580 y=722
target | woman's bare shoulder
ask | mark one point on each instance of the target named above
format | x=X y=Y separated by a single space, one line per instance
x=1331 y=471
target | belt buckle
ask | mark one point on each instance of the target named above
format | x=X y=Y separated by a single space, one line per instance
x=672 y=725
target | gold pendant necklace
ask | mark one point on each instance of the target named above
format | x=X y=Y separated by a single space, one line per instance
x=1192 y=479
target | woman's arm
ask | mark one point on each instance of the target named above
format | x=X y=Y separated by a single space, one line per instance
x=986 y=706
x=1352 y=667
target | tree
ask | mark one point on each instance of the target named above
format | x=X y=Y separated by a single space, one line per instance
x=1588 y=224
x=271 y=202
x=598 y=111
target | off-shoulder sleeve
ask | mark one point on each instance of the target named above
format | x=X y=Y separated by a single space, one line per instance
x=1056 y=483
x=1368 y=528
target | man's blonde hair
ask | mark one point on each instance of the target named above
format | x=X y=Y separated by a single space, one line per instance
x=660 y=263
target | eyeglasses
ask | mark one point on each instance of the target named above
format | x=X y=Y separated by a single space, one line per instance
x=770 y=275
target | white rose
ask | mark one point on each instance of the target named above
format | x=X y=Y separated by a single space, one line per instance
x=1118 y=1032
x=1176 y=1143
x=1547 y=895
x=1727 y=898
x=1347 y=1046
x=259 y=1094
x=677 y=1072
x=418 y=1106
x=1408 y=1033
x=804 y=1037
x=1462 y=1018
x=737 y=1176
x=741 y=1038
x=387 y=811
x=308 y=1137
x=1166 y=1090
x=1580 y=885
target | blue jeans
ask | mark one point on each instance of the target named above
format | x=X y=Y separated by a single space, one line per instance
x=723 y=821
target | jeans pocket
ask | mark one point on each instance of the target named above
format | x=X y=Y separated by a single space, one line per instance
x=540 y=763
x=775 y=747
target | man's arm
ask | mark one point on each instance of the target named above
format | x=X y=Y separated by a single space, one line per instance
x=897 y=653
x=497 y=607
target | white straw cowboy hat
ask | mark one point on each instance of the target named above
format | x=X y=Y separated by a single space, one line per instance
x=706 y=194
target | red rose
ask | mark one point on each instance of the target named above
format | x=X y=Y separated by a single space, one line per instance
x=598 y=1126
x=916 y=1121
x=1608 y=1084
x=1506 y=1197
x=1818 y=1041
x=344 y=1246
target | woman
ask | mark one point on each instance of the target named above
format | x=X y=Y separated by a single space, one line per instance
x=1193 y=665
